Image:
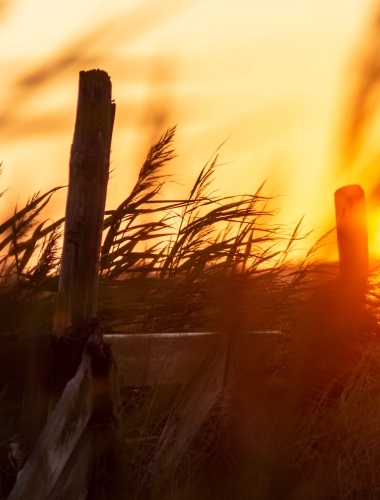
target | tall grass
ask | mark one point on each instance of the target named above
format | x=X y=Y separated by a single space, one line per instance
x=159 y=257
x=306 y=423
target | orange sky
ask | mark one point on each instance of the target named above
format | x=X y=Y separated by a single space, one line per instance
x=272 y=74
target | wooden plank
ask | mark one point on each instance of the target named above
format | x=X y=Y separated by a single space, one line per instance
x=165 y=358
x=58 y=439
x=88 y=178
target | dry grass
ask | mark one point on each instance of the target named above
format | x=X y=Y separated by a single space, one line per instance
x=306 y=420
x=159 y=257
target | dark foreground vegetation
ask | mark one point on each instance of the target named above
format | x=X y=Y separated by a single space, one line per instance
x=303 y=425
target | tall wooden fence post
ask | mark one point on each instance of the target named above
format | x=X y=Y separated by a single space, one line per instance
x=352 y=234
x=61 y=458
x=76 y=303
x=88 y=178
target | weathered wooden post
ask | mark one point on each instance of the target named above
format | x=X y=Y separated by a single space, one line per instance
x=60 y=463
x=88 y=179
x=352 y=234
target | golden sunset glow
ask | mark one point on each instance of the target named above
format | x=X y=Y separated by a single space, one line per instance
x=272 y=77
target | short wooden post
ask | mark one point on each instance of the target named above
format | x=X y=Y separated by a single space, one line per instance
x=352 y=234
x=88 y=178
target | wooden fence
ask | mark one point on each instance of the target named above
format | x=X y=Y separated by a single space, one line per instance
x=61 y=434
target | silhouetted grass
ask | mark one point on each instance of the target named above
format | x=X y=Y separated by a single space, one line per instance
x=164 y=253
x=305 y=424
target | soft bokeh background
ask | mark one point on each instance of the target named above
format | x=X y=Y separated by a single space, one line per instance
x=278 y=78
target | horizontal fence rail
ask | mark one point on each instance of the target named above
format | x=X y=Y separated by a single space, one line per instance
x=167 y=358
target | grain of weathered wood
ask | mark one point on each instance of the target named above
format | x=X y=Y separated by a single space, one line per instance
x=88 y=178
